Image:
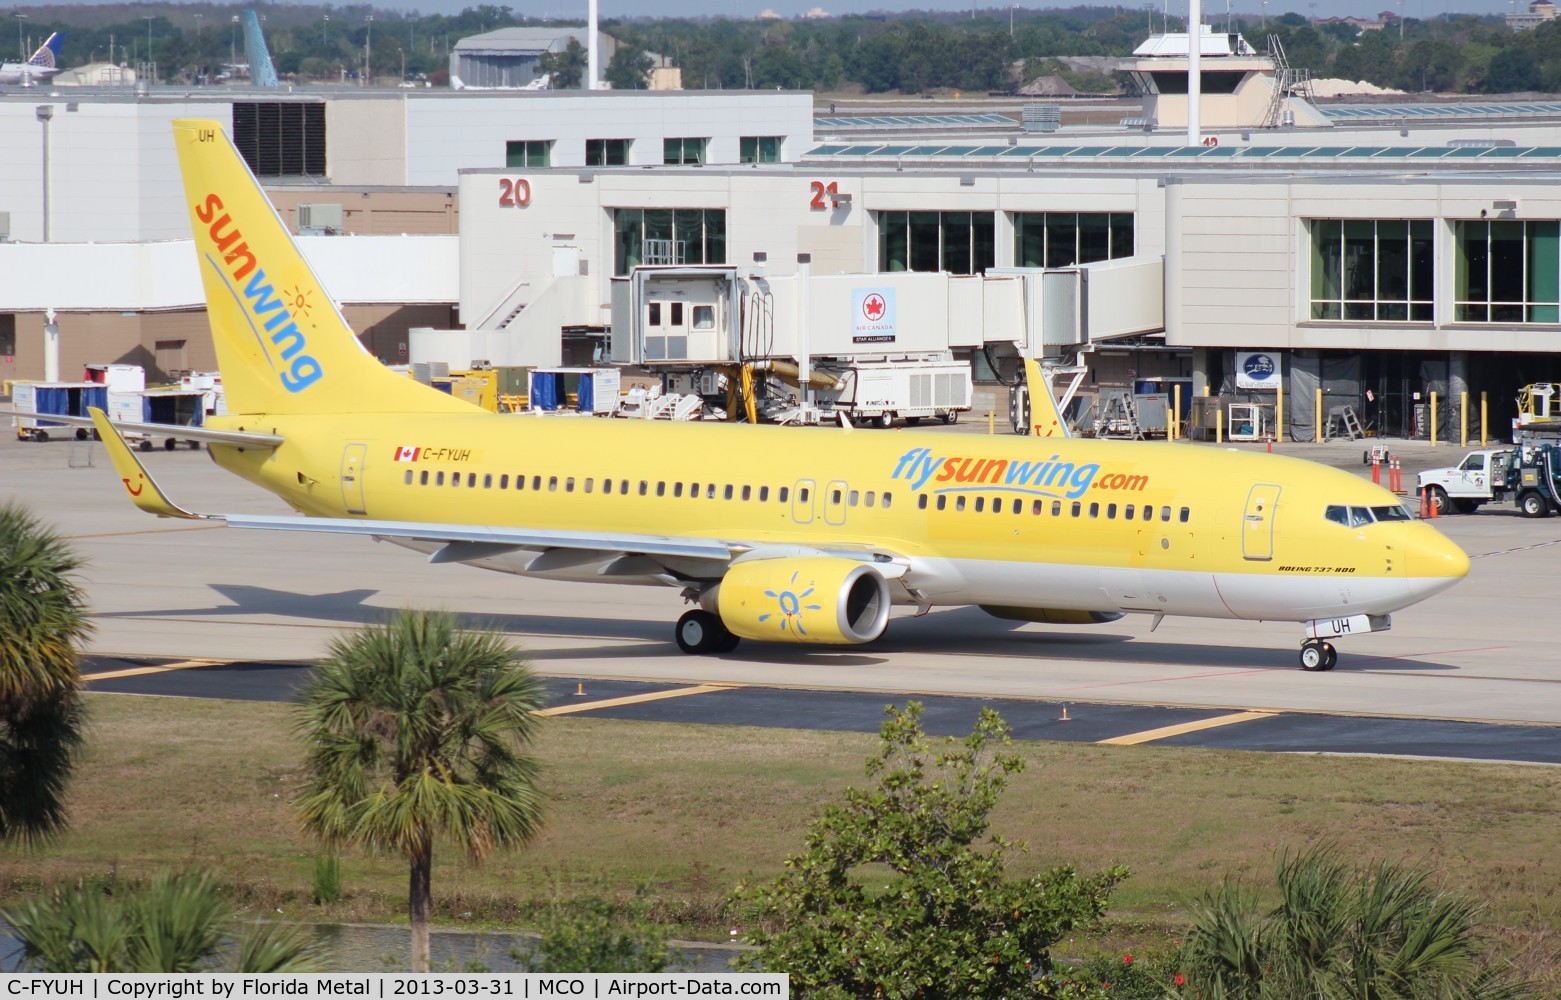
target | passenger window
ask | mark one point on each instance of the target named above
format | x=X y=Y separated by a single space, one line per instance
x=942 y=502
x=1056 y=508
x=782 y=493
x=1077 y=507
x=997 y=505
x=921 y=501
x=607 y=486
x=1148 y=513
x=747 y=492
x=1018 y=506
x=423 y=478
x=471 y=479
x=727 y=493
x=764 y=494
x=888 y=498
x=661 y=489
x=959 y=503
x=487 y=480
x=644 y=487
x=677 y=489
x=1127 y=512
x=869 y=498
x=536 y=482
x=588 y=483
x=623 y=486
x=802 y=495
x=439 y=479
x=408 y=477
x=455 y=479
x=1094 y=510
x=1186 y=513
x=1338 y=514
x=834 y=497
x=569 y=485
x=504 y=481
x=693 y=491
x=552 y=484
x=1111 y=511
x=979 y=502
x=1040 y=505
x=710 y=491
x=1165 y=513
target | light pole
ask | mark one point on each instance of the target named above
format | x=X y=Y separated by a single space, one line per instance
x=150 y=62
x=1011 y=8
x=368 y=51
x=45 y=112
x=21 y=46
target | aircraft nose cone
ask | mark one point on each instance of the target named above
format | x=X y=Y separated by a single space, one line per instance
x=1434 y=563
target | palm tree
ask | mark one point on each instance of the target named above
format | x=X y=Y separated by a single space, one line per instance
x=176 y=923
x=1338 y=933
x=417 y=730
x=43 y=621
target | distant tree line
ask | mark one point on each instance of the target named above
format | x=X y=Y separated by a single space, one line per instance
x=912 y=53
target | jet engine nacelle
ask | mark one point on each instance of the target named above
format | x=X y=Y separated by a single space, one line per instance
x=822 y=599
x=1051 y=616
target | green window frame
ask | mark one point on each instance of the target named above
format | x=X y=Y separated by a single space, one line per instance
x=956 y=242
x=1065 y=239
x=759 y=149
x=683 y=151
x=1373 y=270
x=528 y=153
x=1507 y=271
x=698 y=234
x=607 y=152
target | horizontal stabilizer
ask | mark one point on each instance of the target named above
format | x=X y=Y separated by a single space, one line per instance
x=242 y=439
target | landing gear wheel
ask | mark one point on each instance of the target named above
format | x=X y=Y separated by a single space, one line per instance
x=1438 y=497
x=699 y=632
x=1317 y=655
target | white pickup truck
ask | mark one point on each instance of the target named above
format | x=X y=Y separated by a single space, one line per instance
x=1480 y=478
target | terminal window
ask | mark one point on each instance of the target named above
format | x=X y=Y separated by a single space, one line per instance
x=759 y=149
x=528 y=153
x=1063 y=239
x=693 y=236
x=956 y=242
x=606 y=152
x=1507 y=272
x=1372 y=269
x=683 y=151
x=281 y=138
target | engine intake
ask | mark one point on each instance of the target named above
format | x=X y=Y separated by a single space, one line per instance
x=823 y=599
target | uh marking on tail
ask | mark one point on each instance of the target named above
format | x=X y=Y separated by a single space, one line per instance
x=299 y=370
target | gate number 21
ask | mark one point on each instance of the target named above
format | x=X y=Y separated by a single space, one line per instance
x=820 y=189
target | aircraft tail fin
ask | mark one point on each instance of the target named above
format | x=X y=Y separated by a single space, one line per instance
x=48 y=54
x=261 y=72
x=1045 y=418
x=282 y=345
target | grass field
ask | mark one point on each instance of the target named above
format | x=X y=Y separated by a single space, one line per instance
x=691 y=810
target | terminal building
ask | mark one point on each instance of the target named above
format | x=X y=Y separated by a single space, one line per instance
x=1378 y=252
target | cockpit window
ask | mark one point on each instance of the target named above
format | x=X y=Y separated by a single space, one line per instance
x=1354 y=517
x=1397 y=512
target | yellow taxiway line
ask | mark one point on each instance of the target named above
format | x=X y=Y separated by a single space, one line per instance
x=635 y=699
x=161 y=668
x=1150 y=735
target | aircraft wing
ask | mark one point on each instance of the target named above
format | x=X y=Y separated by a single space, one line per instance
x=681 y=556
x=244 y=439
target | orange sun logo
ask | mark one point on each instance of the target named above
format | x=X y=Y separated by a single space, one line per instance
x=298 y=302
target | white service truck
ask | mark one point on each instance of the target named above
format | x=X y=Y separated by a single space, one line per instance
x=912 y=390
x=1480 y=478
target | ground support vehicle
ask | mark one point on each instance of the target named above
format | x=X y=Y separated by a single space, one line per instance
x=883 y=392
x=1480 y=478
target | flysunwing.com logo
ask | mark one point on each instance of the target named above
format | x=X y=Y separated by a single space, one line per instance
x=1051 y=477
x=261 y=306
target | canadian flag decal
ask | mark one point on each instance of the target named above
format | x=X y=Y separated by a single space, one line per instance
x=405 y=454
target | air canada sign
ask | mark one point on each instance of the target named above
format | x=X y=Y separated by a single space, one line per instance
x=872 y=316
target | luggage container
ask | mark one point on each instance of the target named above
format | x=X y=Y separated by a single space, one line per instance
x=68 y=399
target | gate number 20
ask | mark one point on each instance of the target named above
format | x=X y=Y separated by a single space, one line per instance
x=514 y=193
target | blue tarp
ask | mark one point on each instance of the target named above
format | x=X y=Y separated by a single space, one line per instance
x=584 y=393
x=546 y=388
x=69 y=401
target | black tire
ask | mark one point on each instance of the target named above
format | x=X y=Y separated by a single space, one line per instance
x=145 y=445
x=81 y=434
x=1466 y=506
x=1330 y=656
x=952 y=417
x=885 y=420
x=40 y=435
x=170 y=444
x=1532 y=504
x=1314 y=656
x=912 y=421
x=1438 y=497
x=699 y=633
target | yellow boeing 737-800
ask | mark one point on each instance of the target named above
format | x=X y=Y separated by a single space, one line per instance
x=777 y=534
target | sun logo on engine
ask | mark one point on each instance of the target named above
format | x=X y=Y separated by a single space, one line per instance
x=791 y=606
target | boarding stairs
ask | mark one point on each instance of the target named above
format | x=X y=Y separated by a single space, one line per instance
x=1119 y=419
x=1342 y=422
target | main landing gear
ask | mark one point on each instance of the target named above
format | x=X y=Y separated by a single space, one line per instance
x=699 y=633
x=1318 y=655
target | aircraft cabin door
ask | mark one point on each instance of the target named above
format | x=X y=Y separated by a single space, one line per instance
x=352 y=477
x=802 y=501
x=835 y=503
x=1257 y=524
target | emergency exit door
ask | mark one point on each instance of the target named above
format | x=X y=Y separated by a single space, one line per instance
x=352 y=477
x=1257 y=523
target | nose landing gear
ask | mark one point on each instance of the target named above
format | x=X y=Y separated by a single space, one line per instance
x=1317 y=655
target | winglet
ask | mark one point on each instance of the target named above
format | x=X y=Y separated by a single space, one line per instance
x=143 y=490
x=1045 y=419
